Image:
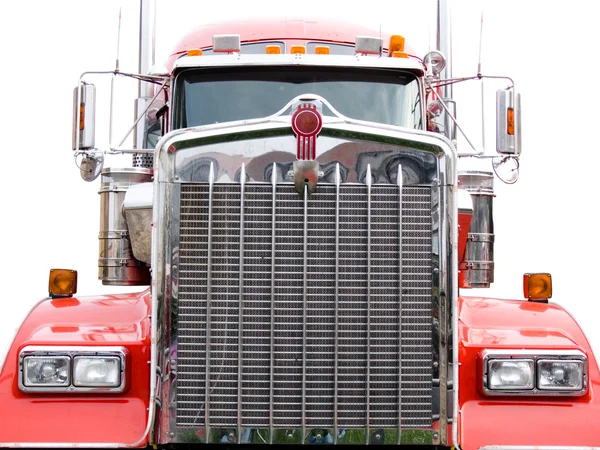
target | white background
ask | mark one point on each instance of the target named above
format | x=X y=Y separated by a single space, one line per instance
x=547 y=222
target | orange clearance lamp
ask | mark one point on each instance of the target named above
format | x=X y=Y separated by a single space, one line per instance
x=537 y=287
x=194 y=52
x=62 y=283
x=273 y=49
x=298 y=49
x=396 y=47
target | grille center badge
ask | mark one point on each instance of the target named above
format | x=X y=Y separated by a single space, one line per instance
x=307 y=123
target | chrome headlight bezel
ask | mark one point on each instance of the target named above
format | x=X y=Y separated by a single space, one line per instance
x=537 y=357
x=70 y=353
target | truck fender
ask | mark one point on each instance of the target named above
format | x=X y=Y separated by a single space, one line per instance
x=521 y=420
x=76 y=418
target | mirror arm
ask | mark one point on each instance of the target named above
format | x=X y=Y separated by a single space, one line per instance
x=439 y=98
x=143 y=114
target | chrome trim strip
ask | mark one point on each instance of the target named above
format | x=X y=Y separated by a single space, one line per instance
x=445 y=302
x=167 y=337
x=399 y=182
x=304 y=305
x=211 y=185
x=157 y=259
x=71 y=352
x=338 y=181
x=453 y=270
x=273 y=234
x=536 y=356
x=368 y=182
x=241 y=307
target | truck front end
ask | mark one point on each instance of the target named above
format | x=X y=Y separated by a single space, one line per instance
x=283 y=243
x=296 y=209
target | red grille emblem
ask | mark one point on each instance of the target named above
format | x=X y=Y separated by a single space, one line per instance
x=307 y=123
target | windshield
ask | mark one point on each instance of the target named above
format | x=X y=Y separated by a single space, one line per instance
x=205 y=97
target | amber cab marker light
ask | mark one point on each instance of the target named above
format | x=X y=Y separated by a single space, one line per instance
x=273 y=50
x=537 y=287
x=396 y=45
x=62 y=283
x=298 y=49
x=322 y=50
x=194 y=52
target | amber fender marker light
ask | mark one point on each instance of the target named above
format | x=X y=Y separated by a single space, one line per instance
x=537 y=287
x=62 y=283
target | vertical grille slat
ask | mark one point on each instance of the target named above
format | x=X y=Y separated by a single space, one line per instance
x=241 y=304
x=209 y=288
x=400 y=184
x=290 y=308
x=368 y=306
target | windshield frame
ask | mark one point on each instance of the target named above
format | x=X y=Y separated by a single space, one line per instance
x=271 y=73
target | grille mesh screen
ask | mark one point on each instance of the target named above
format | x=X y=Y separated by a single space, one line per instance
x=269 y=340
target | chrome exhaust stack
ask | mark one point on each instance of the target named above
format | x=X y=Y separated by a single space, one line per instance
x=117 y=265
x=478 y=265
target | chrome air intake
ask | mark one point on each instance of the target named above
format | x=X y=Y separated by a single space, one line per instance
x=478 y=267
x=117 y=265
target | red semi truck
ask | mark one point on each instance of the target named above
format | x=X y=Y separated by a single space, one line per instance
x=304 y=242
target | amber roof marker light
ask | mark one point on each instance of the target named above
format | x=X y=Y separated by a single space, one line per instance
x=62 y=283
x=537 y=287
x=396 y=47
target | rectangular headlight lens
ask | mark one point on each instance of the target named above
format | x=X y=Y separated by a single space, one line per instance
x=560 y=375
x=510 y=374
x=46 y=371
x=97 y=371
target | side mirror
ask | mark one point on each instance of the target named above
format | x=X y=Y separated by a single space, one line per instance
x=84 y=116
x=508 y=122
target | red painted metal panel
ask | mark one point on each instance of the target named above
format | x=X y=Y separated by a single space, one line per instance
x=524 y=420
x=109 y=320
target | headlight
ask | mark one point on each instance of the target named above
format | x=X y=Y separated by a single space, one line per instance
x=543 y=372
x=52 y=371
x=561 y=375
x=510 y=374
x=96 y=371
x=72 y=369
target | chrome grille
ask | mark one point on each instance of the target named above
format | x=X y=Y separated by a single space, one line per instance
x=275 y=283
